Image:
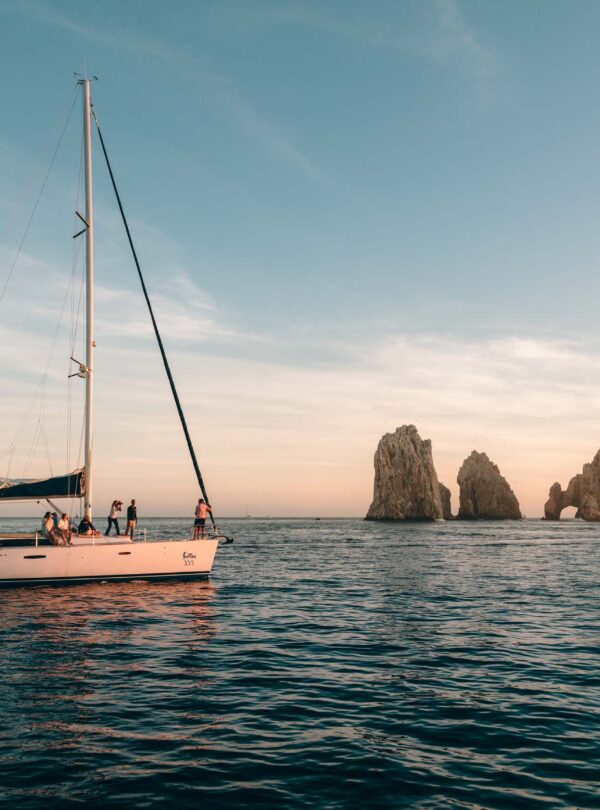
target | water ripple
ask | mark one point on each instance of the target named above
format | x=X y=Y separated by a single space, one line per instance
x=334 y=664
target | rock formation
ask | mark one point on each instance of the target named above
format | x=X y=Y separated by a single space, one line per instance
x=446 y=495
x=406 y=484
x=583 y=492
x=484 y=493
x=555 y=503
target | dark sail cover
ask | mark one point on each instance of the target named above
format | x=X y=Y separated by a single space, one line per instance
x=61 y=486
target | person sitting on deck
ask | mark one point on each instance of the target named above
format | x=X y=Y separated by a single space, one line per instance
x=64 y=528
x=48 y=529
x=86 y=527
x=200 y=518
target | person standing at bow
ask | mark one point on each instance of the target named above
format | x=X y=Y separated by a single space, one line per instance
x=200 y=518
x=131 y=519
x=113 y=518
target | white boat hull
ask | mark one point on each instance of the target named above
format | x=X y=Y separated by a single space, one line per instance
x=105 y=561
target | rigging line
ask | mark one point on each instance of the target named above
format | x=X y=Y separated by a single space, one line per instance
x=72 y=354
x=38 y=398
x=76 y=243
x=74 y=320
x=47 y=448
x=77 y=315
x=155 y=326
x=71 y=321
x=25 y=417
x=68 y=447
x=21 y=427
x=42 y=413
x=34 y=170
x=32 y=450
x=80 y=451
x=38 y=429
x=40 y=391
x=10 y=461
x=51 y=350
x=37 y=202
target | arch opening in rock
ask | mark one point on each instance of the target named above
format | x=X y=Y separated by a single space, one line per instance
x=583 y=493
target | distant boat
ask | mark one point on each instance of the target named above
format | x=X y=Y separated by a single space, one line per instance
x=33 y=560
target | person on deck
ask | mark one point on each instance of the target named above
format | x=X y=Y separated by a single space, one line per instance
x=86 y=527
x=113 y=517
x=64 y=529
x=131 y=519
x=48 y=529
x=200 y=518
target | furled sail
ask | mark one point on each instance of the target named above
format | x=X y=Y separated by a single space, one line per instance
x=60 y=486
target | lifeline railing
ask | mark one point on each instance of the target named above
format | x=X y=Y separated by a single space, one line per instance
x=141 y=536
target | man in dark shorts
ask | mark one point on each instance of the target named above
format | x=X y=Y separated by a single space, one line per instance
x=200 y=518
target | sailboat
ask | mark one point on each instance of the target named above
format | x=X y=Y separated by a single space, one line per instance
x=34 y=559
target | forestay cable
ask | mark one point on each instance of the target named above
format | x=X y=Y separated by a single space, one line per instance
x=155 y=325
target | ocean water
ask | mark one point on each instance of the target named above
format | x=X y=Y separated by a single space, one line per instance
x=325 y=664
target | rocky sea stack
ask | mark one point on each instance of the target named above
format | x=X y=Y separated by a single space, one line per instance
x=583 y=493
x=406 y=483
x=484 y=493
x=446 y=497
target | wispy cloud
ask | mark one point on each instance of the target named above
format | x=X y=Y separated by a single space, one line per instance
x=530 y=403
x=184 y=313
x=300 y=437
x=454 y=36
x=444 y=35
x=192 y=67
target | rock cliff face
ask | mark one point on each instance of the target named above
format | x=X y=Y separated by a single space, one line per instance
x=555 y=503
x=406 y=484
x=484 y=493
x=583 y=492
x=446 y=496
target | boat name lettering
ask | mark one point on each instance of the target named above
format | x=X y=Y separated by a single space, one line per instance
x=188 y=557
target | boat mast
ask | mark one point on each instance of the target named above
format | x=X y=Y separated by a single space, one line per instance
x=89 y=299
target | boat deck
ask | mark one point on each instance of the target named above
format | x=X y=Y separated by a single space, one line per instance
x=28 y=539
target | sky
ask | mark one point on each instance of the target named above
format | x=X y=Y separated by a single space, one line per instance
x=351 y=216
